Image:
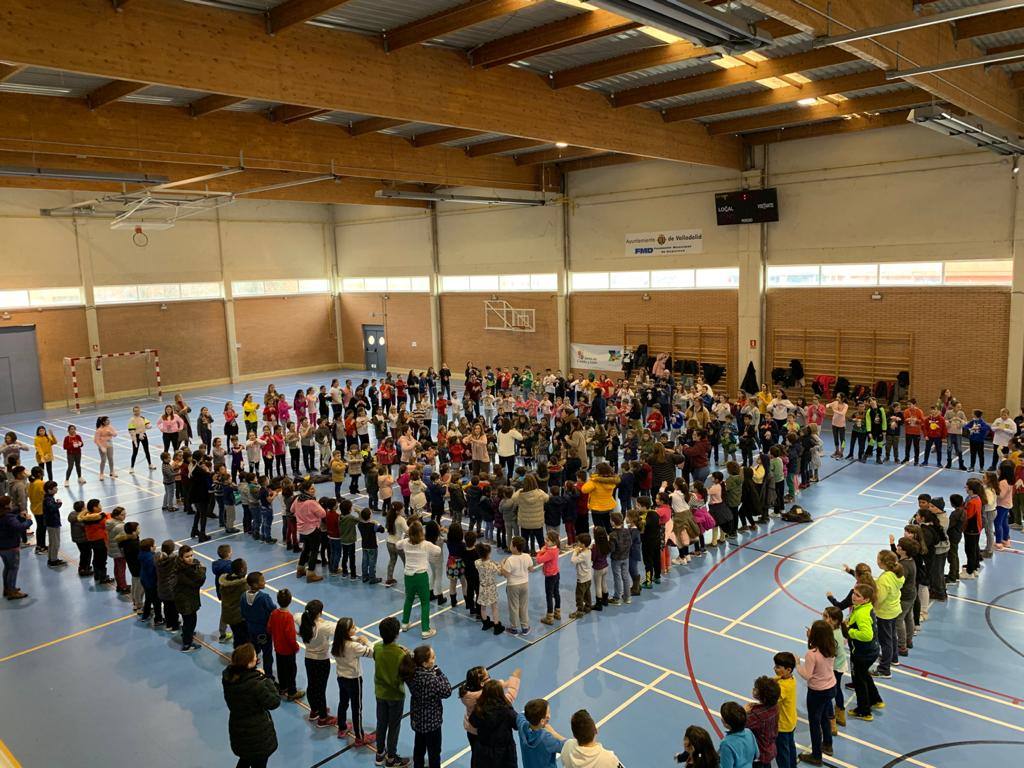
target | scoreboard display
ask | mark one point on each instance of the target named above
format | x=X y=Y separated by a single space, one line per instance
x=748 y=206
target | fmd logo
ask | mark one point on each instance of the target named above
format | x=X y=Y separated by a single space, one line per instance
x=643 y=250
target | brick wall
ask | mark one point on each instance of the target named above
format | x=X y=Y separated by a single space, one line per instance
x=190 y=335
x=407 y=321
x=279 y=333
x=960 y=335
x=464 y=338
x=598 y=318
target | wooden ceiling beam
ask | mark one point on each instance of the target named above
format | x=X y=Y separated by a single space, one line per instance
x=500 y=145
x=556 y=155
x=212 y=103
x=831 y=128
x=800 y=115
x=655 y=56
x=590 y=25
x=448 y=21
x=217 y=50
x=783 y=65
x=373 y=125
x=441 y=136
x=587 y=163
x=977 y=90
x=771 y=97
x=292 y=12
x=989 y=24
x=286 y=114
x=1017 y=80
x=111 y=92
x=126 y=131
x=7 y=71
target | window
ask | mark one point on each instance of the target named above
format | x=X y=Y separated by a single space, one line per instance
x=913 y=273
x=454 y=283
x=154 y=292
x=789 y=277
x=414 y=284
x=247 y=288
x=718 y=278
x=315 y=286
x=849 y=274
x=629 y=280
x=280 y=287
x=979 y=272
x=41 y=297
x=484 y=282
x=672 y=278
x=495 y=283
x=11 y=299
x=589 y=281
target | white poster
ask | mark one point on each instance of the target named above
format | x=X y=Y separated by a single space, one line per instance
x=671 y=242
x=598 y=357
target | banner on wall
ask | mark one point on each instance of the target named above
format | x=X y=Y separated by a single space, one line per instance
x=598 y=357
x=672 y=242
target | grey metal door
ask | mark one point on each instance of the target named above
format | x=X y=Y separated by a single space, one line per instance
x=20 y=386
x=374 y=344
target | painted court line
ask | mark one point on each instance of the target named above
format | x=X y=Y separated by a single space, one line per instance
x=886 y=686
x=66 y=637
x=883 y=478
x=825 y=555
x=914 y=490
x=950 y=683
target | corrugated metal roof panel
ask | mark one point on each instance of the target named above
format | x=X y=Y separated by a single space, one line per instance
x=77 y=86
x=528 y=18
x=409 y=130
x=711 y=95
x=999 y=39
x=594 y=50
x=339 y=118
x=250 y=105
x=378 y=15
x=162 y=94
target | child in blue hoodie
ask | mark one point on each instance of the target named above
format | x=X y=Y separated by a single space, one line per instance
x=256 y=609
x=978 y=431
x=739 y=747
x=147 y=574
x=541 y=744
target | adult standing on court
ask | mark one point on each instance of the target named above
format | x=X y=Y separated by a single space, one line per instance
x=183 y=410
x=529 y=501
x=697 y=456
x=138 y=425
x=600 y=489
x=839 y=407
x=250 y=695
x=507 y=438
x=199 y=495
x=171 y=425
x=576 y=449
x=477 y=441
x=418 y=552
x=445 y=375
x=309 y=516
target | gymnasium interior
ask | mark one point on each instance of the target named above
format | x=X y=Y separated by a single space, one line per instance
x=208 y=197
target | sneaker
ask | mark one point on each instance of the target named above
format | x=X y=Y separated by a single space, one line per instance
x=512 y=631
x=524 y=631
x=327 y=722
x=807 y=757
x=131 y=471
x=428 y=634
x=312 y=717
x=313 y=578
x=883 y=675
x=56 y=563
x=102 y=476
x=367 y=740
x=66 y=484
x=81 y=481
x=867 y=718
x=614 y=601
x=158 y=622
x=406 y=627
x=397 y=762
x=189 y=648
x=547 y=619
x=379 y=759
x=878 y=705
x=113 y=474
x=297 y=696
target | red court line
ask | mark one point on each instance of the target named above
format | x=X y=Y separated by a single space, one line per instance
x=922 y=672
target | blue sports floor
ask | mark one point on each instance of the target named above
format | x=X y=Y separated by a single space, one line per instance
x=86 y=685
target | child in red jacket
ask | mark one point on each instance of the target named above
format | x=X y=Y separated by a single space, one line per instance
x=281 y=628
x=935 y=434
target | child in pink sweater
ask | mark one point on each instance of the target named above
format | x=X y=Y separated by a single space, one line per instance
x=548 y=558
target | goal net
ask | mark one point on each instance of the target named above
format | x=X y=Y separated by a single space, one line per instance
x=94 y=380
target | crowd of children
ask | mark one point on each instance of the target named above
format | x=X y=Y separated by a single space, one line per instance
x=612 y=475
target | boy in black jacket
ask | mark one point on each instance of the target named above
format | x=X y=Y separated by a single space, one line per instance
x=955 y=533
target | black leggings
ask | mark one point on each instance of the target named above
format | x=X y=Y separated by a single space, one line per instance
x=144 y=442
x=977 y=452
x=171 y=440
x=533 y=535
x=317 y=673
x=75 y=463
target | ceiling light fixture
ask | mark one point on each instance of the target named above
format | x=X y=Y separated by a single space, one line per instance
x=561 y=144
x=440 y=197
x=807 y=102
x=35 y=90
x=967 y=128
x=692 y=20
x=73 y=175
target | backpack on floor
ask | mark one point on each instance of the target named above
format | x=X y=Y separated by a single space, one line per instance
x=796 y=514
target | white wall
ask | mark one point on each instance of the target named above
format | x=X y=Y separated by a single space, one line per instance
x=375 y=240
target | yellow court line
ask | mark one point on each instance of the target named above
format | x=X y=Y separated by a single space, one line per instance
x=824 y=556
x=66 y=637
x=7 y=758
x=755 y=561
x=882 y=478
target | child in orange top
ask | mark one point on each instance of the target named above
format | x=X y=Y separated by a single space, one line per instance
x=664 y=511
x=281 y=628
